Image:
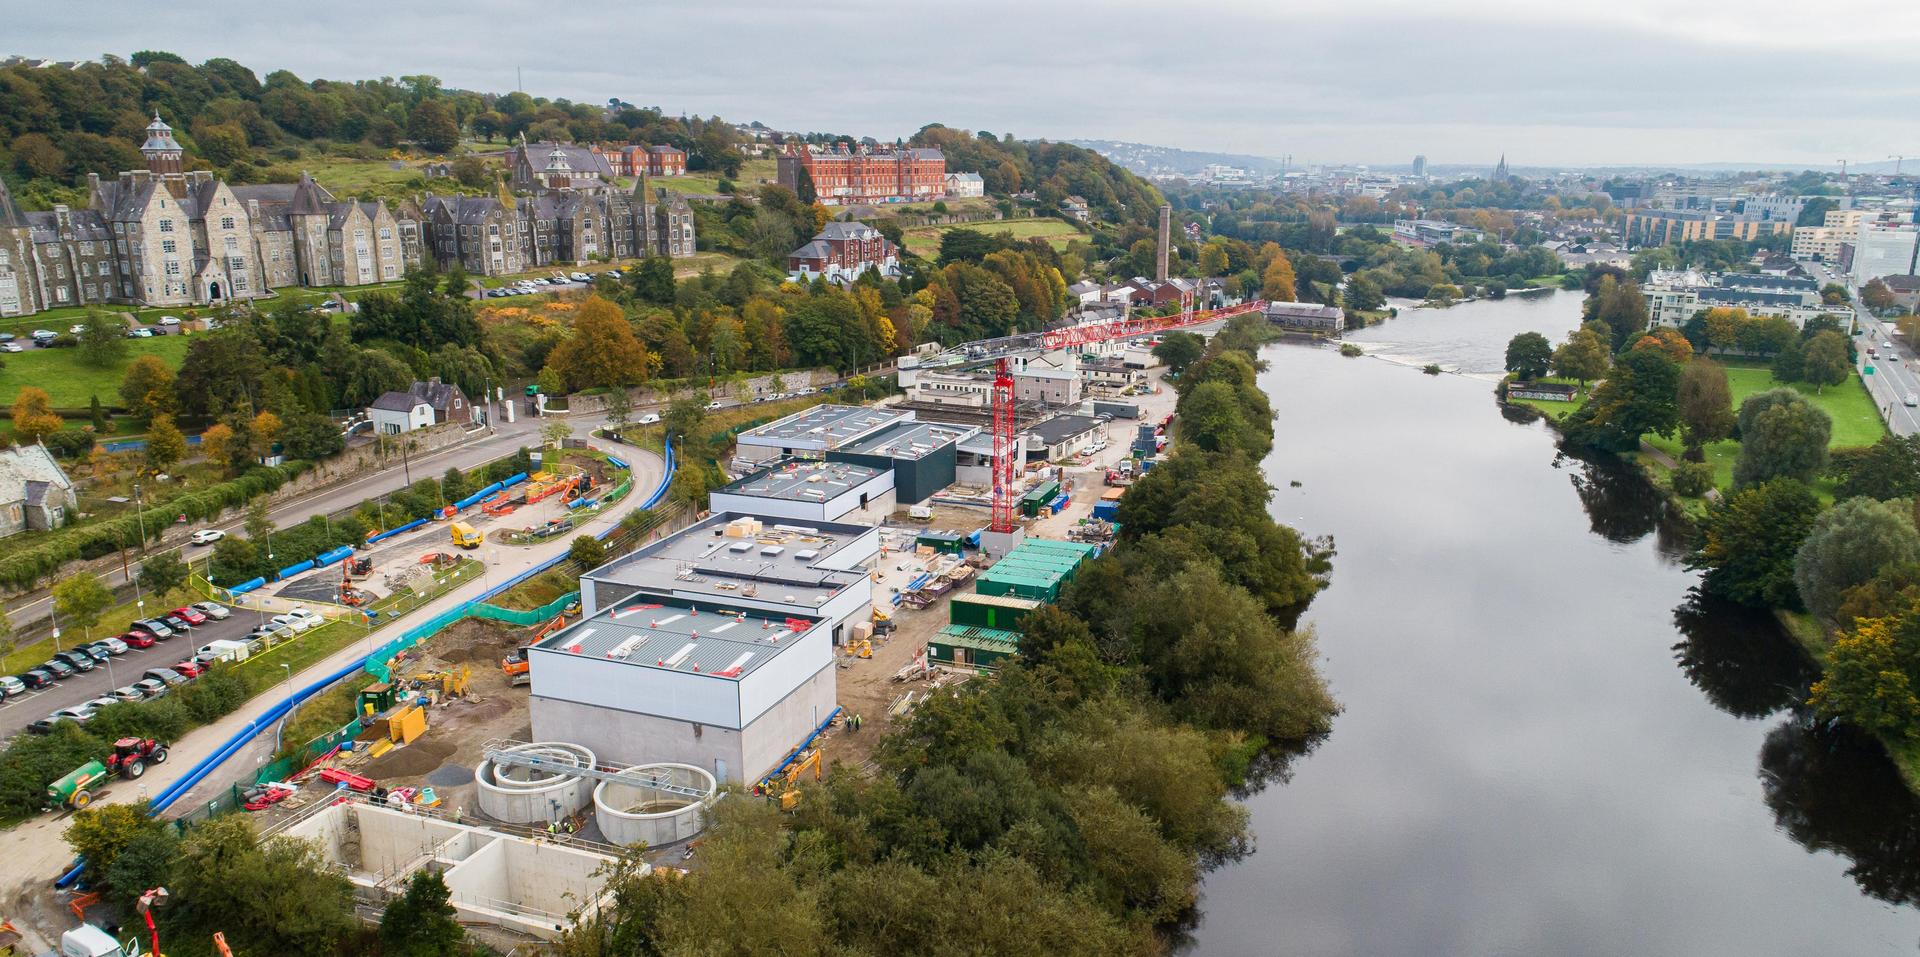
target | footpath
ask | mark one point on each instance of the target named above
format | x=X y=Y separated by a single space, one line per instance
x=36 y=853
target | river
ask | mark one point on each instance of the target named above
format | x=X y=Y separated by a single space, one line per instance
x=1547 y=747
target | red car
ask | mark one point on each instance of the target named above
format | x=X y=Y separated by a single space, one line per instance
x=138 y=639
x=194 y=616
x=190 y=668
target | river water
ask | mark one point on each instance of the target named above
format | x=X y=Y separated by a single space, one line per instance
x=1547 y=747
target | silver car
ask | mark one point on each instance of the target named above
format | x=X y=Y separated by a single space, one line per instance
x=212 y=609
x=149 y=687
x=128 y=693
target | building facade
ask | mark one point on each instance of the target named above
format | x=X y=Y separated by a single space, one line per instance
x=537 y=167
x=841 y=252
x=1822 y=242
x=1884 y=249
x=497 y=236
x=965 y=185
x=166 y=236
x=843 y=176
x=1663 y=227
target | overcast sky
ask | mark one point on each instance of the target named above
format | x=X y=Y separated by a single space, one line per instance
x=1461 y=81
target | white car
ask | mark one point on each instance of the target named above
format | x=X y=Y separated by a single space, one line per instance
x=651 y=418
x=169 y=320
x=212 y=609
x=207 y=536
x=581 y=277
x=714 y=405
x=1912 y=400
x=77 y=328
x=299 y=619
x=12 y=347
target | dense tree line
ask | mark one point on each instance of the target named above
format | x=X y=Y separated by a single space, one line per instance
x=1071 y=804
x=1052 y=171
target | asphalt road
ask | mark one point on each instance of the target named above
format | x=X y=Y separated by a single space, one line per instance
x=121 y=671
x=1894 y=378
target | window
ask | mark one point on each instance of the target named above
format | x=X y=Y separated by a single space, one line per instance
x=360 y=234
x=226 y=222
x=173 y=267
x=240 y=283
x=386 y=234
x=86 y=249
x=168 y=246
x=166 y=225
x=60 y=294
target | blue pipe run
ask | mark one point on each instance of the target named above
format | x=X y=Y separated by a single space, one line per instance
x=328 y=558
x=512 y=480
x=292 y=570
x=616 y=463
x=389 y=533
x=192 y=778
x=246 y=586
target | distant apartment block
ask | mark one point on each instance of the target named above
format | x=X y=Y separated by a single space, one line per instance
x=1674 y=296
x=1822 y=242
x=1663 y=227
x=843 y=176
x=1431 y=232
x=1884 y=249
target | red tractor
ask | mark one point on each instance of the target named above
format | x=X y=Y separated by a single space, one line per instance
x=131 y=756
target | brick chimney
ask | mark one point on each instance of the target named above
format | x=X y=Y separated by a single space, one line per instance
x=1166 y=241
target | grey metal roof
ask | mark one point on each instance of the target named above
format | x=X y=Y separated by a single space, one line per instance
x=703 y=561
x=678 y=636
x=1060 y=428
x=909 y=440
x=801 y=480
x=826 y=424
x=813 y=250
x=396 y=402
x=847 y=230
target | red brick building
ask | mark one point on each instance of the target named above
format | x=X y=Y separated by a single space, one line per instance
x=866 y=175
x=666 y=161
x=841 y=252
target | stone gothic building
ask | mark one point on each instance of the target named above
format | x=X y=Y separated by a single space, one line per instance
x=500 y=236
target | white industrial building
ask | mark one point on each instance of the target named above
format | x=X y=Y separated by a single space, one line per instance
x=805 y=490
x=1884 y=249
x=815 y=431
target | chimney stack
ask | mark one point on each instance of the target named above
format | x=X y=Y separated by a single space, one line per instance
x=1166 y=240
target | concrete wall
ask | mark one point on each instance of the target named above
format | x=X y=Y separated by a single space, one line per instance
x=786 y=724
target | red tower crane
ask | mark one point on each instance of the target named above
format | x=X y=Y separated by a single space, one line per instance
x=1004 y=452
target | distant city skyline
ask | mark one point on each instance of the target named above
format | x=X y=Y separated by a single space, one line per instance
x=1373 y=81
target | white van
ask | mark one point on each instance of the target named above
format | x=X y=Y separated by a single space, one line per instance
x=87 y=940
x=225 y=650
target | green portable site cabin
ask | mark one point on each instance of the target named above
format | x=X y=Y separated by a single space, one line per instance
x=969 y=646
x=949 y=542
x=1031 y=503
x=1020 y=583
x=989 y=611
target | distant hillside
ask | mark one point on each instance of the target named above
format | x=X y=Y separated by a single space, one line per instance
x=1146 y=159
x=1053 y=171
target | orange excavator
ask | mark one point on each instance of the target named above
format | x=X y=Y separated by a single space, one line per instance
x=514 y=666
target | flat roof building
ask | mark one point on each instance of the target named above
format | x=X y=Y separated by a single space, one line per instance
x=809 y=490
x=657 y=679
x=816 y=430
x=921 y=455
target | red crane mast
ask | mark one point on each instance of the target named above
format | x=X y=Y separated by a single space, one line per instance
x=1004 y=452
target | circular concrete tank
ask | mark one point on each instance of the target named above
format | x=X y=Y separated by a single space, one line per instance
x=654 y=804
x=523 y=795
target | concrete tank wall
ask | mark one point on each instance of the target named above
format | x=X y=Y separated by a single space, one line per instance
x=519 y=795
x=634 y=812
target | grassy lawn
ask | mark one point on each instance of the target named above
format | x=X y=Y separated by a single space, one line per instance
x=71 y=382
x=345 y=176
x=1855 y=422
x=925 y=240
x=753 y=174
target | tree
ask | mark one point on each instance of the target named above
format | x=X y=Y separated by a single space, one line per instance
x=454 y=485
x=1669 y=341
x=1786 y=438
x=587 y=552
x=102 y=340
x=601 y=351
x=422 y=922
x=1692 y=479
x=619 y=408
x=1748 y=542
x=432 y=126
x=1277 y=280
x=1888 y=469
x=653 y=281
x=1443 y=294
x=1177 y=350
x=96 y=414
x=557 y=432
x=1638 y=397
x=1529 y=355
x=685 y=416
x=1876 y=295
x=309 y=436
x=80 y=598
x=1849 y=544
x=1619 y=304
x=33 y=415
x=259 y=520
x=1826 y=362
x=165 y=445
x=1871 y=676
x=279 y=896
x=1584 y=357
x=1834 y=294
x=101 y=832
x=1363 y=295
x=1706 y=402
x=162 y=573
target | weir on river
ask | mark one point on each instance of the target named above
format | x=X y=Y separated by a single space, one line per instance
x=1548 y=746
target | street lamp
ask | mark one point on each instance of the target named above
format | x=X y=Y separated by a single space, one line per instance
x=289 y=680
x=139 y=512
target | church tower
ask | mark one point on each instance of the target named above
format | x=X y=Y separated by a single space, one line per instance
x=162 y=151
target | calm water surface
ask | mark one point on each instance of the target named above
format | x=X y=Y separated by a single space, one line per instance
x=1548 y=747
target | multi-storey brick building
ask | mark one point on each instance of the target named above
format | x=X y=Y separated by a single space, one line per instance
x=650 y=161
x=1662 y=227
x=165 y=236
x=866 y=175
x=495 y=236
x=841 y=252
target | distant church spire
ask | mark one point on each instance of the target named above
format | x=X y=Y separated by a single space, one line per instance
x=1500 y=174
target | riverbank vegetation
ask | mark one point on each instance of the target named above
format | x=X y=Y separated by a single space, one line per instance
x=1071 y=804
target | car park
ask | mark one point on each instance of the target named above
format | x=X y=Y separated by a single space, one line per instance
x=11 y=686
x=128 y=693
x=165 y=675
x=78 y=660
x=36 y=678
x=212 y=609
x=60 y=669
x=150 y=687
x=190 y=614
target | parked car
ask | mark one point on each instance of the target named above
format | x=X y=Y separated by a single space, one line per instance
x=80 y=660
x=190 y=614
x=165 y=675
x=113 y=645
x=60 y=668
x=178 y=624
x=138 y=639
x=169 y=320
x=299 y=619
x=714 y=405
x=1912 y=399
x=580 y=277
x=141 y=333
x=156 y=626
x=94 y=652
x=206 y=536
x=45 y=335
x=150 y=687
x=82 y=713
x=11 y=686
x=101 y=702
x=7 y=337
x=12 y=347
x=127 y=693
x=212 y=609
x=77 y=328
x=190 y=668
x=37 y=678
x=44 y=725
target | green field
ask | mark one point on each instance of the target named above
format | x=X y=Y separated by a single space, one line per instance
x=71 y=382
x=1856 y=421
x=925 y=240
x=754 y=173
